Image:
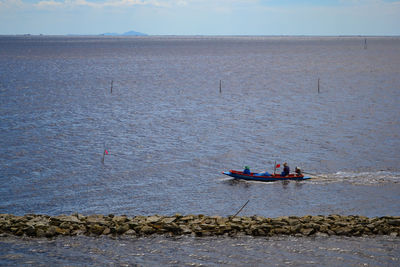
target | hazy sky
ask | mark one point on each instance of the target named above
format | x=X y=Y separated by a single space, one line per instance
x=201 y=17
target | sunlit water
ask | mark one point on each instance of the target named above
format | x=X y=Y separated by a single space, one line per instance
x=170 y=132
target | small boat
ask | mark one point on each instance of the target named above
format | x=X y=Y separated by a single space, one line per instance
x=264 y=178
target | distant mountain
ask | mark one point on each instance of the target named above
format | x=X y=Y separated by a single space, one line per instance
x=134 y=33
x=130 y=33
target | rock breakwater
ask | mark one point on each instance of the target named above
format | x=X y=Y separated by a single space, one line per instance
x=199 y=225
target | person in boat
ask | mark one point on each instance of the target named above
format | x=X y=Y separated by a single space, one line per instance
x=246 y=170
x=286 y=169
x=298 y=171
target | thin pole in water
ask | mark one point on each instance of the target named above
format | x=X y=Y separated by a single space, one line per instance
x=112 y=81
x=220 y=86
x=318 y=85
x=104 y=154
x=241 y=208
x=365 y=43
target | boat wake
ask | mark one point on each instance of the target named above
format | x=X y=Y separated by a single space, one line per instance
x=356 y=178
x=361 y=178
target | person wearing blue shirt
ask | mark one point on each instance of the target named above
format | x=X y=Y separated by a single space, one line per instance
x=286 y=169
x=246 y=170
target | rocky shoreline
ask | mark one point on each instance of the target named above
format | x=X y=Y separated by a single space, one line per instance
x=198 y=225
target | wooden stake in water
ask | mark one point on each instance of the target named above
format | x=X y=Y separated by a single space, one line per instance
x=365 y=43
x=220 y=86
x=112 y=82
x=241 y=208
x=104 y=154
x=318 y=85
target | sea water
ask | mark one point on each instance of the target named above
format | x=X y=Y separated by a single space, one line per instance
x=170 y=129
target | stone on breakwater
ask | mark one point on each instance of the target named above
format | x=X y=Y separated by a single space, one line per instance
x=199 y=225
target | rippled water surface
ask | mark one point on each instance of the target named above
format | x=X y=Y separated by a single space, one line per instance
x=190 y=251
x=170 y=132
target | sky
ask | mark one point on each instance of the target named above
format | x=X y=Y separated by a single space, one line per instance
x=201 y=17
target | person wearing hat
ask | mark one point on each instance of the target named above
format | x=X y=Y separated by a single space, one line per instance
x=298 y=171
x=286 y=169
x=246 y=170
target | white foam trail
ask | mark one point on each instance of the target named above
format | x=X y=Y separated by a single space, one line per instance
x=359 y=177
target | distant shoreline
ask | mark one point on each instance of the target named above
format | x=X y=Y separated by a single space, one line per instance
x=199 y=36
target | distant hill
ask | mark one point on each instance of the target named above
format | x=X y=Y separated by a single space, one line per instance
x=130 y=33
